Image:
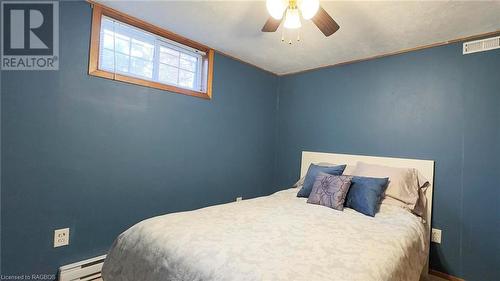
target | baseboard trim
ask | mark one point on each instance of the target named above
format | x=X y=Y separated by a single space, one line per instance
x=444 y=275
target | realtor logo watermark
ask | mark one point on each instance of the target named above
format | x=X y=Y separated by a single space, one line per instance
x=30 y=35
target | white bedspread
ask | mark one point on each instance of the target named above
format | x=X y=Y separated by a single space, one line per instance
x=277 y=237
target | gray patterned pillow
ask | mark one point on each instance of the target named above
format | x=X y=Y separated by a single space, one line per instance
x=330 y=191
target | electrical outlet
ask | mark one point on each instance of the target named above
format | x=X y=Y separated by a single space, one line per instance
x=61 y=237
x=238 y=199
x=436 y=235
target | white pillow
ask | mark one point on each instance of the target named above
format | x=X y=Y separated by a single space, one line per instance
x=422 y=200
x=300 y=182
x=404 y=184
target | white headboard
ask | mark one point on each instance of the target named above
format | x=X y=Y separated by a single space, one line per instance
x=425 y=167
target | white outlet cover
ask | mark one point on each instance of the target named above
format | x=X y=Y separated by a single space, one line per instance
x=61 y=237
x=238 y=199
x=436 y=235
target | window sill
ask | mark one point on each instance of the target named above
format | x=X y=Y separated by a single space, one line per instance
x=151 y=84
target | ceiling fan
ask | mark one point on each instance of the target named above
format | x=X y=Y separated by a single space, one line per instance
x=291 y=10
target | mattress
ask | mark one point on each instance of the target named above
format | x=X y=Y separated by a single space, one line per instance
x=277 y=237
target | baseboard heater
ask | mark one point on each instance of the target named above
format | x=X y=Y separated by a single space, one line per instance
x=86 y=270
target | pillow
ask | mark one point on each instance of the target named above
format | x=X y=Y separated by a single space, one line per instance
x=330 y=191
x=365 y=194
x=300 y=182
x=404 y=183
x=422 y=200
x=312 y=173
x=347 y=170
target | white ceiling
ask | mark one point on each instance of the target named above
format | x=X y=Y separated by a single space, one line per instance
x=367 y=28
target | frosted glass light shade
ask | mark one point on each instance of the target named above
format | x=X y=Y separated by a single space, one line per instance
x=292 y=19
x=276 y=8
x=308 y=8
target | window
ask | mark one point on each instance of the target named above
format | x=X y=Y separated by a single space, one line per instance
x=129 y=50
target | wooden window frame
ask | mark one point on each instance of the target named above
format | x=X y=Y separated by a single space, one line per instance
x=99 y=11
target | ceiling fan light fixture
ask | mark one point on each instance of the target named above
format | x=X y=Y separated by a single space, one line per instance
x=292 y=19
x=308 y=8
x=290 y=13
x=276 y=8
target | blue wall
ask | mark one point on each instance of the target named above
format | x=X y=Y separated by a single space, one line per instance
x=431 y=104
x=97 y=155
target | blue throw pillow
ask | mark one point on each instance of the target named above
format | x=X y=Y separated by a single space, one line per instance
x=365 y=194
x=313 y=172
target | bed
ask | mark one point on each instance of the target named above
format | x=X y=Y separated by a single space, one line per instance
x=278 y=237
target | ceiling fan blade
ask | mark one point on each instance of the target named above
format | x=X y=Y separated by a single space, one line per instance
x=324 y=22
x=271 y=25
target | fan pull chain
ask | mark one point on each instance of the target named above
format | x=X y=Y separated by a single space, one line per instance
x=288 y=36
